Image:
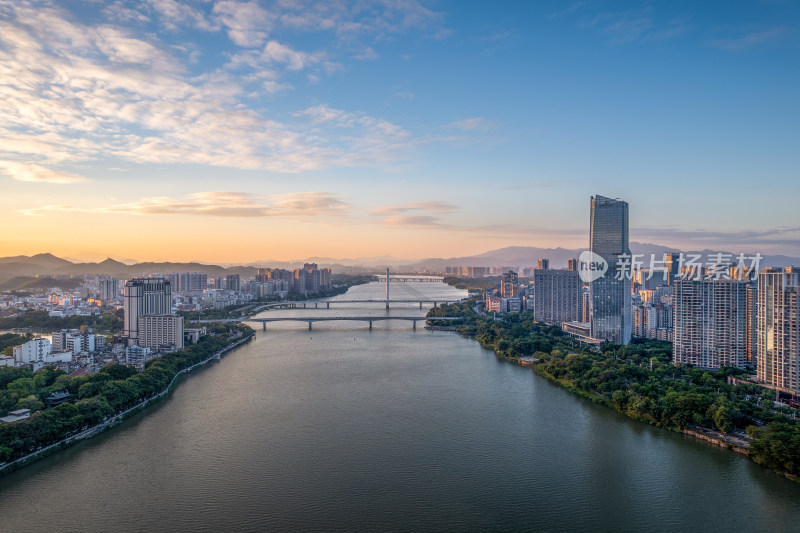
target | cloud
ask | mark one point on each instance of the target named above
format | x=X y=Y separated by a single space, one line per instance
x=413 y=220
x=248 y=23
x=575 y=6
x=404 y=95
x=275 y=52
x=752 y=39
x=428 y=206
x=635 y=25
x=367 y=54
x=219 y=204
x=174 y=14
x=313 y=202
x=36 y=173
x=470 y=124
x=75 y=93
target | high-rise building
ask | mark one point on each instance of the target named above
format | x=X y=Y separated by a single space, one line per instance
x=509 y=285
x=709 y=323
x=610 y=296
x=144 y=296
x=672 y=267
x=188 y=281
x=778 y=359
x=161 y=331
x=109 y=289
x=544 y=264
x=751 y=333
x=556 y=296
x=233 y=282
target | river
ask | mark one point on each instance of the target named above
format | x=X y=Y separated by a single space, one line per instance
x=346 y=429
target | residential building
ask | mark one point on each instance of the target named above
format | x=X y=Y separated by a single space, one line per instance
x=778 y=336
x=109 y=289
x=233 y=283
x=751 y=354
x=159 y=332
x=509 y=285
x=709 y=323
x=32 y=351
x=557 y=295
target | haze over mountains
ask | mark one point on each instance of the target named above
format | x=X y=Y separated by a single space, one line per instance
x=15 y=271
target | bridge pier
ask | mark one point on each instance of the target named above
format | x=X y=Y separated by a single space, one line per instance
x=420 y=306
x=316 y=305
x=414 y=327
x=328 y=304
x=370 y=325
x=264 y=326
x=309 y=325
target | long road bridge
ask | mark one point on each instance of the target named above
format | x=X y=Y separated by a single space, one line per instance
x=317 y=303
x=370 y=319
x=399 y=278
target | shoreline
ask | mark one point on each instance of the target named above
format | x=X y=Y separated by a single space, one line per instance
x=697 y=433
x=117 y=418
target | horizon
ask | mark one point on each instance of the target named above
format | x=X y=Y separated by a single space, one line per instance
x=225 y=132
x=381 y=261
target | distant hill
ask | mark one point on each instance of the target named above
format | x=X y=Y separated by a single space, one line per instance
x=23 y=269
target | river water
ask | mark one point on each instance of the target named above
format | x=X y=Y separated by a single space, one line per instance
x=342 y=428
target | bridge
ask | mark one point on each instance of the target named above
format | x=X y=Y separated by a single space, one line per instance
x=317 y=303
x=370 y=319
x=410 y=279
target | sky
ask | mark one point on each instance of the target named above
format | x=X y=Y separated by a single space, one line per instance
x=229 y=131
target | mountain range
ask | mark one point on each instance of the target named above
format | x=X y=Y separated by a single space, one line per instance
x=17 y=270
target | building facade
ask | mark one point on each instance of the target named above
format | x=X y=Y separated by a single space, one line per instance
x=144 y=296
x=610 y=297
x=778 y=336
x=710 y=319
x=556 y=296
x=161 y=332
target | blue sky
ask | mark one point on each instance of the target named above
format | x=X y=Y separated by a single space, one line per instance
x=289 y=129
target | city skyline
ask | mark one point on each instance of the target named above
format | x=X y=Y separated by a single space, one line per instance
x=240 y=131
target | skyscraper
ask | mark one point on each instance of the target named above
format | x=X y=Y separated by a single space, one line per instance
x=144 y=296
x=778 y=336
x=610 y=297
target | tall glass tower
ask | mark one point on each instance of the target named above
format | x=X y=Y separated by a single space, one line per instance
x=610 y=297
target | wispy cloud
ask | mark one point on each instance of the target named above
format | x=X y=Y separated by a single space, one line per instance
x=471 y=124
x=427 y=206
x=219 y=204
x=174 y=14
x=751 y=39
x=36 y=173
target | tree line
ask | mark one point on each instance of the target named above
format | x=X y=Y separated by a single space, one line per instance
x=640 y=380
x=97 y=396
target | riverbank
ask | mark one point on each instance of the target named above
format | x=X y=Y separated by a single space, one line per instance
x=640 y=381
x=71 y=437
